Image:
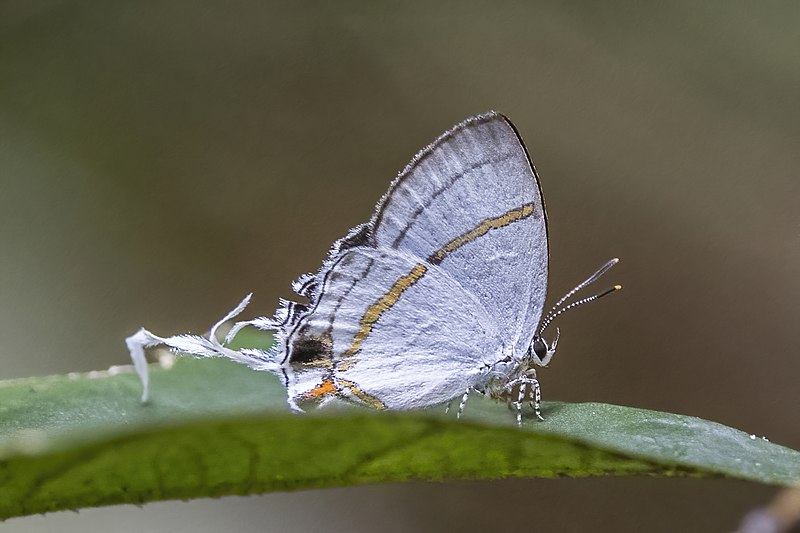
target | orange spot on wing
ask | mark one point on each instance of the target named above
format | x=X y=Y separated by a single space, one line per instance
x=323 y=389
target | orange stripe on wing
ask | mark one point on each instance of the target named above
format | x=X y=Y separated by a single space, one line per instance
x=385 y=303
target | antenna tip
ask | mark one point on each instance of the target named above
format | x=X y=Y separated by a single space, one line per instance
x=617 y=287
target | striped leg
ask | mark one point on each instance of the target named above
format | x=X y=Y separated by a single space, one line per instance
x=537 y=398
x=526 y=383
x=520 y=398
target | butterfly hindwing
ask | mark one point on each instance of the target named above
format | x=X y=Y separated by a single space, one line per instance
x=390 y=331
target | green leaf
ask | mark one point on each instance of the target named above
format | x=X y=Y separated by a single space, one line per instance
x=214 y=428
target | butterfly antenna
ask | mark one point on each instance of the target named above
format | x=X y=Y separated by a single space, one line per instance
x=558 y=310
x=573 y=305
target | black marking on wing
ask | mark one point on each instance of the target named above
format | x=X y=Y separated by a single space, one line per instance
x=445 y=186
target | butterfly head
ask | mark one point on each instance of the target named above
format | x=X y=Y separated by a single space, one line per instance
x=540 y=352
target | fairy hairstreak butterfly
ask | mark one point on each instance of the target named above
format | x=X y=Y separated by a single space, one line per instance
x=439 y=295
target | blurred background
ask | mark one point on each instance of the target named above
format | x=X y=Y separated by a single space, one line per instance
x=158 y=160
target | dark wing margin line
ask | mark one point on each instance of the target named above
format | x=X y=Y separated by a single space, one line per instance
x=544 y=206
x=286 y=347
x=538 y=184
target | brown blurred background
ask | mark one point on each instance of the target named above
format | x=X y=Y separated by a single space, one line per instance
x=160 y=159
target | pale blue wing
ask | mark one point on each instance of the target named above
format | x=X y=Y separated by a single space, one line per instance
x=392 y=331
x=471 y=204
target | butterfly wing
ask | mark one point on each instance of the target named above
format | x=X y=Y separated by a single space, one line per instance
x=391 y=331
x=470 y=203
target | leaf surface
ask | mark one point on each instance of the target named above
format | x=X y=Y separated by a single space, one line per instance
x=214 y=428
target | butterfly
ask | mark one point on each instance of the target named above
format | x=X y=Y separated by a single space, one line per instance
x=441 y=294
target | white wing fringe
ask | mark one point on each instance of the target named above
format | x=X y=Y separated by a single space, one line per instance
x=204 y=346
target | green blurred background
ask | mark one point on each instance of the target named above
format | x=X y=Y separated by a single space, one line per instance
x=158 y=160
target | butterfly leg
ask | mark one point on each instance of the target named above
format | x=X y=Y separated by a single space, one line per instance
x=526 y=385
x=447 y=408
x=520 y=398
x=537 y=398
x=463 y=403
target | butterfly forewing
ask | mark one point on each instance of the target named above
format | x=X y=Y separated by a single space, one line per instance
x=470 y=203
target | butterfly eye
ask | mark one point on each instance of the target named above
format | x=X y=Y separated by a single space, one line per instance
x=539 y=348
